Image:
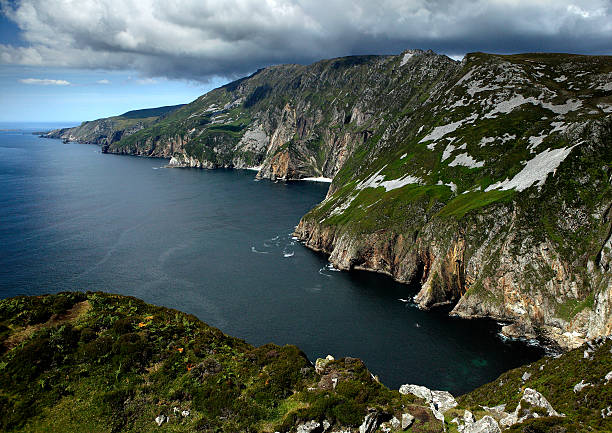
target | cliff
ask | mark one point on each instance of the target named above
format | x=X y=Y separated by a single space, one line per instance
x=109 y=130
x=495 y=196
x=109 y=363
x=487 y=181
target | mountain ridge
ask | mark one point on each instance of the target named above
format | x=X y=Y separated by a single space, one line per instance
x=487 y=180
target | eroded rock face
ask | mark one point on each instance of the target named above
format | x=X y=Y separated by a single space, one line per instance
x=531 y=399
x=441 y=400
x=486 y=424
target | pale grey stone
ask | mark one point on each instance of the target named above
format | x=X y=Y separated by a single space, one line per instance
x=407 y=420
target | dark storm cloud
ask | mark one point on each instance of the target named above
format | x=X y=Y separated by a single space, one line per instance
x=200 y=39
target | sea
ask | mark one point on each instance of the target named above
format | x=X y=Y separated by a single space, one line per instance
x=219 y=244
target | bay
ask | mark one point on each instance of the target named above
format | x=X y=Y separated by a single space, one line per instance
x=218 y=244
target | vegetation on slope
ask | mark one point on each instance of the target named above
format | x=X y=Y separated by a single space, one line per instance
x=109 y=363
x=100 y=362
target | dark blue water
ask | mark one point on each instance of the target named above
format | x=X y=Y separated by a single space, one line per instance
x=214 y=243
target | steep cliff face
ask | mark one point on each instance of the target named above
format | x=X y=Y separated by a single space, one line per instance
x=495 y=195
x=291 y=121
x=487 y=181
x=107 y=131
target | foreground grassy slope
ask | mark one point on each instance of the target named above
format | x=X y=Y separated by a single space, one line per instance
x=100 y=362
x=109 y=363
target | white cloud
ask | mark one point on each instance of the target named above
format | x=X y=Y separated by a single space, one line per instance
x=197 y=39
x=44 y=82
x=104 y=81
x=145 y=81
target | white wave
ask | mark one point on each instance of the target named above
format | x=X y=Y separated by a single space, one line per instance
x=259 y=252
x=323 y=273
x=405 y=301
x=330 y=267
x=288 y=254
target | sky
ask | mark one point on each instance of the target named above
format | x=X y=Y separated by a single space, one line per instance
x=75 y=60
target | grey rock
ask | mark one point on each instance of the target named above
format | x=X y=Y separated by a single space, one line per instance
x=407 y=420
x=322 y=362
x=395 y=423
x=533 y=398
x=370 y=423
x=438 y=415
x=581 y=385
x=608 y=377
x=468 y=417
x=525 y=376
x=308 y=427
x=326 y=425
x=160 y=419
x=442 y=400
x=420 y=391
x=499 y=409
x=486 y=424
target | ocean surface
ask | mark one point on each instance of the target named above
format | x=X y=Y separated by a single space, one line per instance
x=218 y=244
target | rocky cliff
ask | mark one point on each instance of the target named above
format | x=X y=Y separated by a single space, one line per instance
x=107 y=131
x=495 y=196
x=108 y=363
x=486 y=181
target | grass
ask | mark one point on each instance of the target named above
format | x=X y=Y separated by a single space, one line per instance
x=109 y=363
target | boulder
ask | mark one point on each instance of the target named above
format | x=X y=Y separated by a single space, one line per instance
x=486 y=424
x=326 y=425
x=468 y=417
x=531 y=398
x=322 y=362
x=407 y=420
x=395 y=423
x=580 y=386
x=420 y=391
x=160 y=419
x=442 y=400
x=438 y=415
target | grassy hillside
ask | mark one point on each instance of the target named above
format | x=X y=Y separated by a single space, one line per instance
x=109 y=363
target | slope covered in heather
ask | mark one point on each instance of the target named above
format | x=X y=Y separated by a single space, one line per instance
x=109 y=363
